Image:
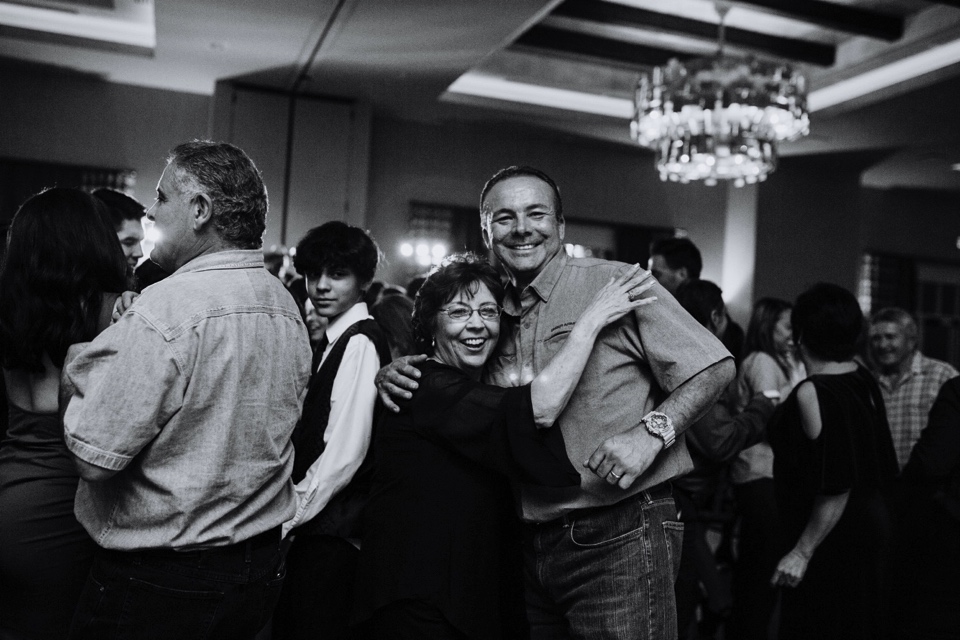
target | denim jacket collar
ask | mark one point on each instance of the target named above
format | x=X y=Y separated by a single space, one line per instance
x=230 y=259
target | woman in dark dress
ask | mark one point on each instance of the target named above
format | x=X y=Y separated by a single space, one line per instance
x=62 y=261
x=833 y=459
x=436 y=555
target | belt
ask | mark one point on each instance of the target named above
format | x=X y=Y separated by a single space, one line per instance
x=268 y=538
x=648 y=495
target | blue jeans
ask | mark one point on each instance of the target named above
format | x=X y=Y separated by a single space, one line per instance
x=605 y=572
x=226 y=592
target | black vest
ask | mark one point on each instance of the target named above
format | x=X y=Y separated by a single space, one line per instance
x=341 y=515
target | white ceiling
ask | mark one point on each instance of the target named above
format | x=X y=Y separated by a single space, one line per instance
x=402 y=55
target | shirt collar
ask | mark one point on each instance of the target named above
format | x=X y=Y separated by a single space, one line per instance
x=892 y=380
x=350 y=317
x=542 y=285
x=916 y=363
x=230 y=259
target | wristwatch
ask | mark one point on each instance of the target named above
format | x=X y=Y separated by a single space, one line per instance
x=660 y=425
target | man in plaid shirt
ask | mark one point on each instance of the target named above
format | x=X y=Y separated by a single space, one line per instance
x=908 y=379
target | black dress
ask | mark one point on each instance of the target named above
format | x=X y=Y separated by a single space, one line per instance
x=45 y=553
x=842 y=592
x=438 y=527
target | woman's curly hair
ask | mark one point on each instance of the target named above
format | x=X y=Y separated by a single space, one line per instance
x=458 y=272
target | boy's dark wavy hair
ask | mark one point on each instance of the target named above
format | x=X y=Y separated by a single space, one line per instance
x=337 y=245
x=458 y=272
x=62 y=256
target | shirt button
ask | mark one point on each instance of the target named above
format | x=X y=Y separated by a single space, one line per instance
x=526 y=325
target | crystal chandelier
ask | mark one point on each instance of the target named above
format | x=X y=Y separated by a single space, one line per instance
x=719 y=118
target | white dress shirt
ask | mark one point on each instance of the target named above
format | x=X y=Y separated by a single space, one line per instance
x=350 y=425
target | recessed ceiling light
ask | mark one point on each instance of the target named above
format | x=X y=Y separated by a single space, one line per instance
x=119 y=25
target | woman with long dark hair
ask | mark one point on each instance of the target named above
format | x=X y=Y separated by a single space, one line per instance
x=61 y=274
x=770 y=365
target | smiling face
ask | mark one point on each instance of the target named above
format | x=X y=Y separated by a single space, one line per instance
x=783 y=333
x=334 y=291
x=130 y=236
x=467 y=345
x=891 y=346
x=521 y=226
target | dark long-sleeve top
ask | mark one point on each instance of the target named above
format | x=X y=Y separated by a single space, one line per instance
x=934 y=463
x=434 y=526
x=718 y=436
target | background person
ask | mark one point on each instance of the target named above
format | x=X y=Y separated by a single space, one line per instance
x=833 y=459
x=394 y=314
x=909 y=380
x=674 y=261
x=927 y=548
x=432 y=560
x=332 y=466
x=127 y=216
x=770 y=363
x=62 y=272
x=713 y=441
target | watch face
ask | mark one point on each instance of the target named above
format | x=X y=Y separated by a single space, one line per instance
x=657 y=422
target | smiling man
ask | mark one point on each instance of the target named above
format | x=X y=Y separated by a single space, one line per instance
x=909 y=380
x=181 y=420
x=599 y=563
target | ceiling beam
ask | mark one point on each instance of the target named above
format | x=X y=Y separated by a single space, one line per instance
x=610 y=13
x=553 y=40
x=838 y=17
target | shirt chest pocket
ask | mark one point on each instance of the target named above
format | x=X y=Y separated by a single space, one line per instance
x=554 y=341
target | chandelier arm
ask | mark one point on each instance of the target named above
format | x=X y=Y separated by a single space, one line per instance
x=722 y=9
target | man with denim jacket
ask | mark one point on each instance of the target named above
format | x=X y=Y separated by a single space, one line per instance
x=181 y=420
x=599 y=563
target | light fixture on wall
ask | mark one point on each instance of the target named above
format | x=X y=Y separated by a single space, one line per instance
x=719 y=118
x=424 y=252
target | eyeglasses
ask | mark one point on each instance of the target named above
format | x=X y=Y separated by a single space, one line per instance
x=462 y=313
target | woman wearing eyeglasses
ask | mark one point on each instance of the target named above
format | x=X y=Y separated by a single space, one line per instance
x=438 y=559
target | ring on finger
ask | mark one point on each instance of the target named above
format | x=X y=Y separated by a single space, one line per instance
x=616 y=476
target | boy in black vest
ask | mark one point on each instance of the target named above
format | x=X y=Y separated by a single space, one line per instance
x=331 y=467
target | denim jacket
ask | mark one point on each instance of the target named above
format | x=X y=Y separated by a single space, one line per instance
x=192 y=396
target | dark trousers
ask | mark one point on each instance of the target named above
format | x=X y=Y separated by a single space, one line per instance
x=411 y=620
x=317 y=596
x=758 y=553
x=226 y=592
x=926 y=573
x=698 y=566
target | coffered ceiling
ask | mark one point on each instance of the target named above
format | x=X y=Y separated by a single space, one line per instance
x=882 y=74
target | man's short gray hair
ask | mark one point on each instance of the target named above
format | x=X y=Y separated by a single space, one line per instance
x=897 y=316
x=228 y=176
